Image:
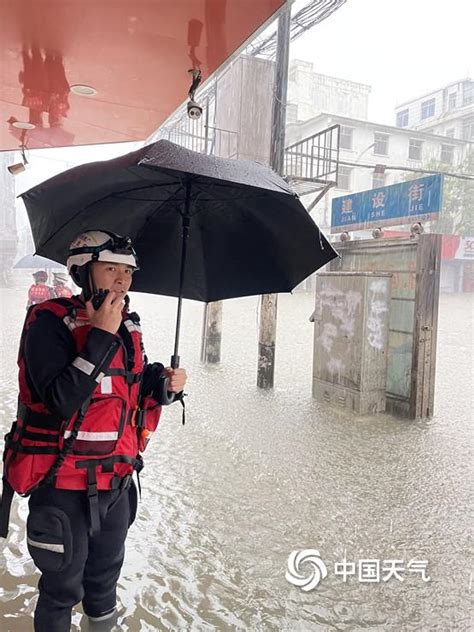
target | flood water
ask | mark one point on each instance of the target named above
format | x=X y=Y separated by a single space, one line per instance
x=255 y=475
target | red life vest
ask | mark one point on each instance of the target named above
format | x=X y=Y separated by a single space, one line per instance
x=62 y=291
x=38 y=293
x=108 y=442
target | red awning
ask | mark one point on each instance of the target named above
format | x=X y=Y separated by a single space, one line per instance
x=135 y=53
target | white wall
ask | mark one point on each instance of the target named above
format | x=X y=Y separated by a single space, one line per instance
x=312 y=93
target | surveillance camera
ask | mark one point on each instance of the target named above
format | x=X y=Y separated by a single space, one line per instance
x=378 y=232
x=345 y=236
x=416 y=229
x=17 y=168
x=194 y=110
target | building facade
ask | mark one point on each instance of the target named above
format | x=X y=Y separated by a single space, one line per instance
x=310 y=94
x=367 y=151
x=447 y=111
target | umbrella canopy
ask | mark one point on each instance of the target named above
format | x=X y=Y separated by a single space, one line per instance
x=248 y=233
x=36 y=262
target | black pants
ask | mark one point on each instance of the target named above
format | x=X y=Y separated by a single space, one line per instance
x=76 y=566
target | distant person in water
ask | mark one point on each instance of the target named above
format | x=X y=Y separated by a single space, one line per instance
x=39 y=291
x=60 y=288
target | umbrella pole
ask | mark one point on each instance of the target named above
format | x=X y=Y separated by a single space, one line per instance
x=166 y=396
x=186 y=223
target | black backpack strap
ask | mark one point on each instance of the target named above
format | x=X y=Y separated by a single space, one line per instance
x=93 y=500
x=181 y=399
x=139 y=465
x=131 y=378
x=106 y=464
x=68 y=445
x=5 y=506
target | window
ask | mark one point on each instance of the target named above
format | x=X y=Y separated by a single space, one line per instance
x=402 y=118
x=447 y=154
x=344 y=178
x=427 y=109
x=380 y=144
x=468 y=94
x=378 y=180
x=450 y=132
x=345 y=137
x=414 y=149
x=452 y=101
x=468 y=129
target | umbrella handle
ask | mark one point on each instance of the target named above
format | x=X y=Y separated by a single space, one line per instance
x=166 y=397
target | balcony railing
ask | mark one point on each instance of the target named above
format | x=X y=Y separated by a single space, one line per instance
x=312 y=163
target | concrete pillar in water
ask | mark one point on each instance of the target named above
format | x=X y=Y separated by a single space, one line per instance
x=212 y=333
x=266 y=342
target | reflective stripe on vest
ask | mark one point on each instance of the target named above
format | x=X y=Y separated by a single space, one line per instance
x=71 y=323
x=83 y=365
x=93 y=436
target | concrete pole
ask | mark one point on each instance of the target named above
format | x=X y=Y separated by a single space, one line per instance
x=212 y=333
x=268 y=304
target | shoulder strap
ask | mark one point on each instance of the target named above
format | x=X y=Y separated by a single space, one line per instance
x=58 y=306
x=66 y=301
x=67 y=446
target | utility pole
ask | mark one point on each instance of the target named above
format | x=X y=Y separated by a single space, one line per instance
x=212 y=333
x=268 y=303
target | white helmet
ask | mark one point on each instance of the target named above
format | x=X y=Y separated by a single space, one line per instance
x=60 y=277
x=98 y=245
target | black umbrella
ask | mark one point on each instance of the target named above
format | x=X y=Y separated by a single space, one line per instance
x=204 y=228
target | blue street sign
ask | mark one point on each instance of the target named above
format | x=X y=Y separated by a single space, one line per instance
x=403 y=203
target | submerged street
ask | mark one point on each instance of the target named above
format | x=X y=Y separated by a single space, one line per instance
x=255 y=475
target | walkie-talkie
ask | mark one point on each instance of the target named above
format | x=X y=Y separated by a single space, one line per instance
x=98 y=298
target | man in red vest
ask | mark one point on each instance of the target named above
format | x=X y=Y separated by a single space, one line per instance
x=88 y=403
x=60 y=288
x=39 y=291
